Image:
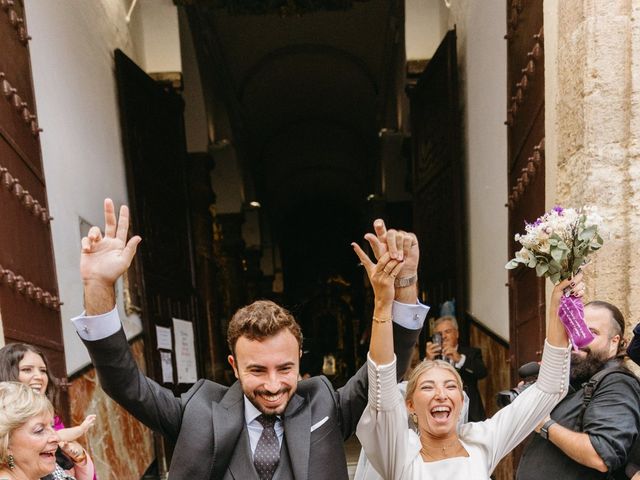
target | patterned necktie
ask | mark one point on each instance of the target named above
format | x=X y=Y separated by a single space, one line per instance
x=267 y=453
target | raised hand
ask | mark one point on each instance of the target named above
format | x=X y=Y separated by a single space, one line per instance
x=433 y=350
x=381 y=275
x=87 y=423
x=556 y=334
x=105 y=258
x=401 y=245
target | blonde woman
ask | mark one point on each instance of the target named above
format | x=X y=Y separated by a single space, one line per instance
x=28 y=441
x=436 y=449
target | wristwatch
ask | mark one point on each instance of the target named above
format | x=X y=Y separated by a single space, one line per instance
x=544 y=430
x=405 y=281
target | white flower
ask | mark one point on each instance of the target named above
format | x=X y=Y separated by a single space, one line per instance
x=523 y=255
x=544 y=247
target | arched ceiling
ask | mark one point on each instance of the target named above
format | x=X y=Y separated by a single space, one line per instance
x=306 y=96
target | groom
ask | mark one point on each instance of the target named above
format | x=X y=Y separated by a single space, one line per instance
x=267 y=425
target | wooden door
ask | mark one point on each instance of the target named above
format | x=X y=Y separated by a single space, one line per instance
x=526 y=196
x=155 y=154
x=29 y=304
x=439 y=185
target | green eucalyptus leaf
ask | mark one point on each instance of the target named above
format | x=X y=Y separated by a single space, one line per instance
x=557 y=254
x=555 y=266
x=587 y=233
x=541 y=269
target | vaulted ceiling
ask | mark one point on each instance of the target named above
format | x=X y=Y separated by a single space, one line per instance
x=306 y=86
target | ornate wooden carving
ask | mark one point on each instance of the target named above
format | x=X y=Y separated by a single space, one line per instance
x=16 y=20
x=32 y=205
x=526 y=175
x=28 y=289
x=29 y=301
x=533 y=67
x=20 y=107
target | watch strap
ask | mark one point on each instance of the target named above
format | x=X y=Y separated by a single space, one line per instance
x=405 y=281
x=544 y=430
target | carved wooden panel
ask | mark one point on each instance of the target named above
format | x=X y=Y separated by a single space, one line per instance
x=439 y=215
x=29 y=303
x=526 y=171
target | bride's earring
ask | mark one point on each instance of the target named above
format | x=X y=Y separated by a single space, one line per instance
x=414 y=419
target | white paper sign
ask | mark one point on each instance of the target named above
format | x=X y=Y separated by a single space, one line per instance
x=167 y=367
x=163 y=337
x=185 y=351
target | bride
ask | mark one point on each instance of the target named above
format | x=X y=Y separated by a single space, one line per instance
x=436 y=449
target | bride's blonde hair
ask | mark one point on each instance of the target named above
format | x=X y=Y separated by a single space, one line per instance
x=425 y=366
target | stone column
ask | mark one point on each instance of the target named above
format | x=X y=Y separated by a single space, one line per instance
x=597 y=129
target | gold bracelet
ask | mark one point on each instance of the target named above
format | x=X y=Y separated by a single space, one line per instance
x=382 y=320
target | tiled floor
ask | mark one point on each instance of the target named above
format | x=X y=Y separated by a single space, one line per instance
x=352 y=448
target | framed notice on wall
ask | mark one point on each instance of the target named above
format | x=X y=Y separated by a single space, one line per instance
x=185 y=351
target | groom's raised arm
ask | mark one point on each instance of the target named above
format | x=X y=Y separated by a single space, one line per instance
x=104 y=258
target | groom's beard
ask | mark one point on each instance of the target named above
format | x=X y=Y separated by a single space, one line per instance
x=583 y=368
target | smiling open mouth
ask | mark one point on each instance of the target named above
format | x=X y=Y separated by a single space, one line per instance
x=49 y=455
x=441 y=412
x=272 y=398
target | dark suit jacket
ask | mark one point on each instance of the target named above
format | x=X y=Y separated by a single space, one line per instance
x=206 y=422
x=633 y=350
x=472 y=371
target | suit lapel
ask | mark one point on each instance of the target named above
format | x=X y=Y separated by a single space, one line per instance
x=297 y=434
x=228 y=424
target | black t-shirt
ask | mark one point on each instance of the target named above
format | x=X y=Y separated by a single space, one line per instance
x=612 y=420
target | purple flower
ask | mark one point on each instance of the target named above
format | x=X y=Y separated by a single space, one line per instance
x=558 y=209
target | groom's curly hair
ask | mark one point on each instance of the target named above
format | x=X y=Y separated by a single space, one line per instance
x=260 y=320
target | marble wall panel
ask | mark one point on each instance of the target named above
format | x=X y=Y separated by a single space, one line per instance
x=496 y=358
x=121 y=447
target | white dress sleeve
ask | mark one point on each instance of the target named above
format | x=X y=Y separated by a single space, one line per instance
x=511 y=425
x=382 y=429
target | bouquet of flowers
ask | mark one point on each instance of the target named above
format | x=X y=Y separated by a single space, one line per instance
x=557 y=245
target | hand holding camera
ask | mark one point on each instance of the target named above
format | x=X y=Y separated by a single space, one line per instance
x=434 y=347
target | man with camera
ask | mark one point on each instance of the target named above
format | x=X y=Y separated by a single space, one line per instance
x=590 y=433
x=467 y=360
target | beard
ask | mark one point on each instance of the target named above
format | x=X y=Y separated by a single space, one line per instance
x=583 y=368
x=256 y=397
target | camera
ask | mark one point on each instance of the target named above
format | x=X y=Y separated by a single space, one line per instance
x=505 y=397
x=437 y=340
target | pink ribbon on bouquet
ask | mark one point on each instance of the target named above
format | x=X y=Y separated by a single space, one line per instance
x=571 y=315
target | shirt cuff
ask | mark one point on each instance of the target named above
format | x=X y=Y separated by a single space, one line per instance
x=97 y=327
x=383 y=390
x=409 y=316
x=459 y=364
x=554 y=369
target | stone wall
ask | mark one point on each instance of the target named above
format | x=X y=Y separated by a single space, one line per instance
x=120 y=446
x=598 y=133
